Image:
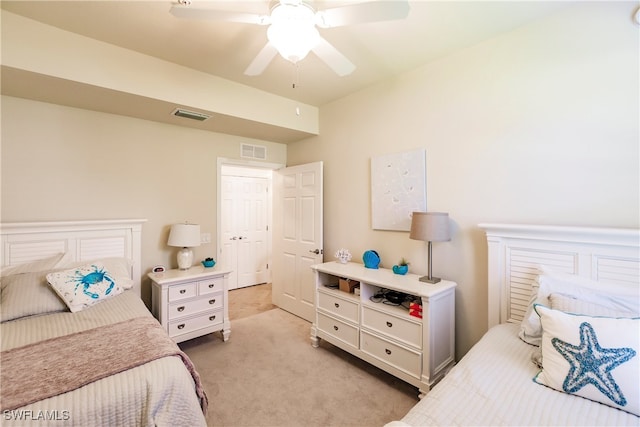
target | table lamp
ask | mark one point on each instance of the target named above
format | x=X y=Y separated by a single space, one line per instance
x=430 y=227
x=185 y=236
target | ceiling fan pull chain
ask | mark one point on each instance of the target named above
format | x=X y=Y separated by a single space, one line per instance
x=294 y=85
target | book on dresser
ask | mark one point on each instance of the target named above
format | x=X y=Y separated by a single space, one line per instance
x=399 y=324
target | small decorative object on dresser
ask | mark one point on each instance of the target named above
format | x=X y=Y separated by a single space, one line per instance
x=402 y=267
x=191 y=303
x=371 y=259
x=209 y=262
x=343 y=255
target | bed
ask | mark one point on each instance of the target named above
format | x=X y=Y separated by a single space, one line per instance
x=92 y=357
x=581 y=286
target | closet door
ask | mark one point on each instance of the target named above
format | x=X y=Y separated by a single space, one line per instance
x=228 y=226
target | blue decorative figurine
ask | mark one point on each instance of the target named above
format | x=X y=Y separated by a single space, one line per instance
x=371 y=259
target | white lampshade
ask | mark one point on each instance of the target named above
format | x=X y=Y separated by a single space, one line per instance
x=184 y=236
x=293 y=31
x=430 y=227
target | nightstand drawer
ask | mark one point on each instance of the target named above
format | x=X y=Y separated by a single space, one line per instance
x=194 y=323
x=338 y=306
x=188 y=308
x=340 y=330
x=403 y=330
x=394 y=355
x=178 y=292
x=210 y=286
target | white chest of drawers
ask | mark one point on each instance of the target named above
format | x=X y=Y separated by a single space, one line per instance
x=191 y=303
x=417 y=350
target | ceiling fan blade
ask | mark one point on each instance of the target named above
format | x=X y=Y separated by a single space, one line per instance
x=359 y=13
x=261 y=61
x=185 y=11
x=333 y=58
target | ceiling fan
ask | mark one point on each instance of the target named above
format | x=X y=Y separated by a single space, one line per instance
x=292 y=27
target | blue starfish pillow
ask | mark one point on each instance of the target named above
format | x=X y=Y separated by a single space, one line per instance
x=597 y=358
x=85 y=286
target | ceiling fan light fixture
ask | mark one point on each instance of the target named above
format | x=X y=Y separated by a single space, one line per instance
x=292 y=30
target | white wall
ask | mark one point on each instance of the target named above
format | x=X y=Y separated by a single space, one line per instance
x=61 y=163
x=539 y=125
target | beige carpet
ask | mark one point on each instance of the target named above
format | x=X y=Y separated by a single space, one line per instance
x=268 y=374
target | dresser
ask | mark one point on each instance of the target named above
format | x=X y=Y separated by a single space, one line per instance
x=417 y=350
x=191 y=303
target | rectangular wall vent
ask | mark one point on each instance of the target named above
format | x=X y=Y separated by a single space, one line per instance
x=193 y=115
x=249 y=151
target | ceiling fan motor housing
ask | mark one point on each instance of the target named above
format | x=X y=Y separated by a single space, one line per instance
x=292 y=30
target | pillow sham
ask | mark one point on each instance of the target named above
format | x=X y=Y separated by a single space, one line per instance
x=85 y=286
x=118 y=267
x=592 y=357
x=33 y=266
x=28 y=294
x=612 y=296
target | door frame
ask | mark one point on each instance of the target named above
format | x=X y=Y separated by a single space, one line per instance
x=223 y=161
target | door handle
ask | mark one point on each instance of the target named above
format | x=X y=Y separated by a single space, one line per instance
x=316 y=251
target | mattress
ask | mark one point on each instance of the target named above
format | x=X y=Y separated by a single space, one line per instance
x=161 y=392
x=492 y=385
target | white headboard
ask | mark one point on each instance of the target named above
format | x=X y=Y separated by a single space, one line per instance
x=517 y=253
x=80 y=241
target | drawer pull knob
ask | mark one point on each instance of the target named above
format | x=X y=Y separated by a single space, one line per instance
x=212 y=318
x=337 y=305
x=389 y=324
x=335 y=327
x=212 y=285
x=386 y=350
x=181 y=308
x=212 y=301
x=181 y=326
x=182 y=291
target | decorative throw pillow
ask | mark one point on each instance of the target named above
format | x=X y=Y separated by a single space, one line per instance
x=28 y=294
x=85 y=286
x=613 y=296
x=592 y=357
x=118 y=267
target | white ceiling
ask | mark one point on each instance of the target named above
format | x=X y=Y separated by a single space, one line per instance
x=379 y=50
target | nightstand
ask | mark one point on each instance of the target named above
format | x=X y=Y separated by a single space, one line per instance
x=191 y=303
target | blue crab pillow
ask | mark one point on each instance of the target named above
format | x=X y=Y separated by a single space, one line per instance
x=597 y=358
x=84 y=286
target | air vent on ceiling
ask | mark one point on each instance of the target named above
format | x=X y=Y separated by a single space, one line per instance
x=193 y=115
x=249 y=151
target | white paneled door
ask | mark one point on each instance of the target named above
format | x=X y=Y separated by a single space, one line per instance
x=244 y=227
x=297 y=237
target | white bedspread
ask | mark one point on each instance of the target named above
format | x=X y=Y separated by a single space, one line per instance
x=157 y=393
x=492 y=385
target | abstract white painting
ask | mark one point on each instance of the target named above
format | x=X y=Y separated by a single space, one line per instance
x=398 y=188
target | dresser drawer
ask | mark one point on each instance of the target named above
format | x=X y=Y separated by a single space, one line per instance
x=194 y=323
x=395 y=327
x=210 y=286
x=178 y=292
x=339 y=307
x=338 y=329
x=399 y=357
x=187 y=308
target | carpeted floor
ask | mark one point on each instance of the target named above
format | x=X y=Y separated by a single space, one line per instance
x=268 y=374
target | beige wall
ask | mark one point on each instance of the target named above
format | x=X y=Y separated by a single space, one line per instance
x=61 y=163
x=536 y=126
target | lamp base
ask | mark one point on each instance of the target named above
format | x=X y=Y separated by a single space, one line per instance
x=428 y=279
x=185 y=258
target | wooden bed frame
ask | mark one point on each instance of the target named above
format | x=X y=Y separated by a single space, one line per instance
x=80 y=241
x=517 y=253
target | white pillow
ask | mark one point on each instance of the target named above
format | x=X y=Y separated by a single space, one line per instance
x=85 y=286
x=592 y=357
x=613 y=296
x=118 y=267
x=28 y=294
x=33 y=266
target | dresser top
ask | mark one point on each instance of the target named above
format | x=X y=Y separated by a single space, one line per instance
x=194 y=273
x=385 y=278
